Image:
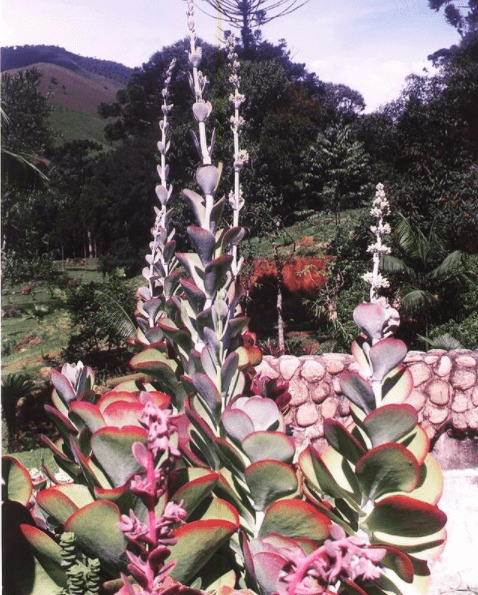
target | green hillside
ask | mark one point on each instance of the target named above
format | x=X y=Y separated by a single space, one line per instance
x=70 y=125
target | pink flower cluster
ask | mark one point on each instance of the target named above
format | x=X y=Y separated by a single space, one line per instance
x=340 y=558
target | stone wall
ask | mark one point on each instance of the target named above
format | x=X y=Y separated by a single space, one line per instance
x=445 y=393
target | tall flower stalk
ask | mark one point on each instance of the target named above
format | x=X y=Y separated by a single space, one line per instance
x=154 y=537
x=241 y=157
x=380 y=209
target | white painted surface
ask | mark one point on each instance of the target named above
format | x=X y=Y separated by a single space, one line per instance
x=457 y=569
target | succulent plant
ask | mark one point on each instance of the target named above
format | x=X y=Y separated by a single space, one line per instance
x=187 y=481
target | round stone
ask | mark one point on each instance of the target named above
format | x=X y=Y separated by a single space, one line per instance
x=312 y=371
x=474 y=396
x=439 y=392
x=344 y=407
x=436 y=415
x=459 y=421
x=307 y=415
x=267 y=370
x=288 y=366
x=334 y=366
x=299 y=393
x=444 y=366
x=420 y=373
x=329 y=407
x=320 y=391
x=463 y=378
x=472 y=418
x=460 y=402
x=466 y=361
x=430 y=359
x=416 y=399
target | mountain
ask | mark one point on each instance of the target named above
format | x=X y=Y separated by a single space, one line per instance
x=27 y=55
x=74 y=85
x=72 y=90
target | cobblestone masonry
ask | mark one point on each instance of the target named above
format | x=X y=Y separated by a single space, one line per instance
x=445 y=391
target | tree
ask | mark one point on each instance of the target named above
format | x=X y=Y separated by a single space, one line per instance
x=457 y=16
x=246 y=15
x=335 y=168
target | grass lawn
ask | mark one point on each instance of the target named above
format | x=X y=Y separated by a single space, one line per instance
x=36 y=336
x=310 y=236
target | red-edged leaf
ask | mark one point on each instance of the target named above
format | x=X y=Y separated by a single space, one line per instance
x=196 y=543
x=194 y=491
x=260 y=446
x=237 y=424
x=56 y=504
x=386 y=355
x=116 y=396
x=295 y=518
x=269 y=481
x=47 y=576
x=397 y=386
x=268 y=567
x=89 y=414
x=399 y=562
x=387 y=468
x=390 y=423
x=120 y=414
x=405 y=516
x=342 y=440
x=357 y=390
x=96 y=531
x=18 y=485
x=112 y=449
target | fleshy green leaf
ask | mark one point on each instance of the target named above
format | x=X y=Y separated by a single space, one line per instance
x=342 y=440
x=387 y=468
x=386 y=355
x=358 y=390
x=215 y=273
x=203 y=241
x=269 y=481
x=18 y=484
x=47 y=576
x=196 y=543
x=194 y=491
x=112 y=449
x=390 y=423
x=96 y=530
x=259 y=446
x=295 y=518
x=405 y=516
x=268 y=566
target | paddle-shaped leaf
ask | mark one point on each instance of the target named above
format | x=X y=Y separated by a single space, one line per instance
x=342 y=440
x=358 y=390
x=262 y=445
x=203 y=241
x=112 y=448
x=96 y=530
x=386 y=355
x=390 y=423
x=196 y=543
x=17 y=484
x=387 y=468
x=269 y=481
x=295 y=518
x=405 y=516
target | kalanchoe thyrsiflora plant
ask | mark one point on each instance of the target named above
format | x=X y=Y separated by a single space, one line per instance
x=362 y=515
x=380 y=209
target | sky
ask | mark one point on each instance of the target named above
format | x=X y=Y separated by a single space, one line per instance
x=369 y=45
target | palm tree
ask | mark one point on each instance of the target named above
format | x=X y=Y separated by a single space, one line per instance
x=426 y=269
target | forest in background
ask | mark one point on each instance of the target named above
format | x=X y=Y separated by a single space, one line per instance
x=312 y=150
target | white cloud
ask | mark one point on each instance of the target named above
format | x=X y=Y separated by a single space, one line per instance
x=378 y=81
